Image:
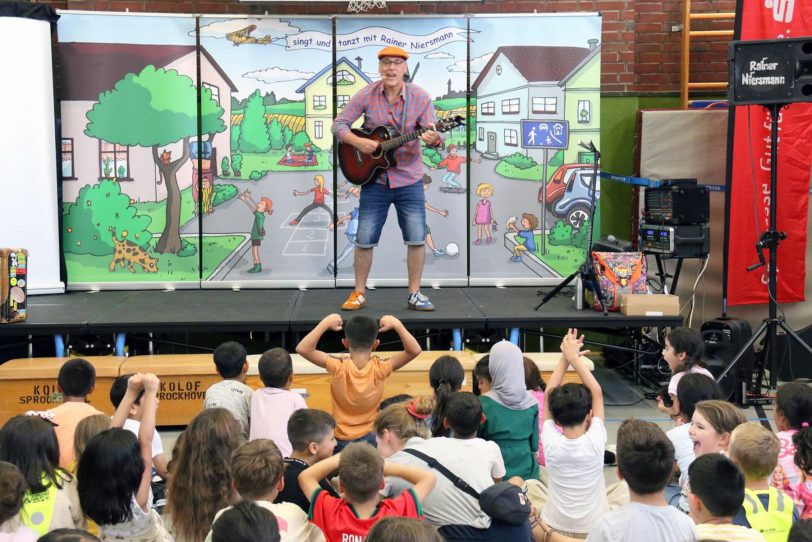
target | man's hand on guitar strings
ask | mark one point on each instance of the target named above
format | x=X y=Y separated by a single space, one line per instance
x=430 y=137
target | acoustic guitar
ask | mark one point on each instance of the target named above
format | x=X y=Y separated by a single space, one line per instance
x=360 y=168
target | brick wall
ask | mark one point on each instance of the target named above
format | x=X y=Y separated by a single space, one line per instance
x=641 y=38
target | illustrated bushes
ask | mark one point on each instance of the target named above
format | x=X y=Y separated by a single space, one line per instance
x=255 y=135
x=223 y=193
x=519 y=161
x=561 y=234
x=98 y=209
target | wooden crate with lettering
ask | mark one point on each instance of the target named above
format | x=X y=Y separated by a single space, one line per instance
x=31 y=384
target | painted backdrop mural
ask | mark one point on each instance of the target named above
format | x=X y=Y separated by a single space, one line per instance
x=535 y=86
x=250 y=199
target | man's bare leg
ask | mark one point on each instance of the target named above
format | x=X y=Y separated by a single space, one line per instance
x=363 y=263
x=415 y=256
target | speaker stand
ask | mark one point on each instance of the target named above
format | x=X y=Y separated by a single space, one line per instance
x=770 y=240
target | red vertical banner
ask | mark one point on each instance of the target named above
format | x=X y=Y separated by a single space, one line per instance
x=749 y=182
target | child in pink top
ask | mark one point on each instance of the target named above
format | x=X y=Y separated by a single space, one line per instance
x=683 y=352
x=483 y=216
x=793 y=409
x=272 y=406
x=535 y=385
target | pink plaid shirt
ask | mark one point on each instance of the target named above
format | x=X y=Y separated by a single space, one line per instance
x=372 y=103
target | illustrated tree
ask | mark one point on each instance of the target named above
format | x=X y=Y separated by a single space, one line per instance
x=153 y=109
x=254 y=132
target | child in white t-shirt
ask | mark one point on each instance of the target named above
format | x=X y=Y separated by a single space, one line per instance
x=577 y=490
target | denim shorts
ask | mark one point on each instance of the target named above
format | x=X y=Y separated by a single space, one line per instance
x=410 y=204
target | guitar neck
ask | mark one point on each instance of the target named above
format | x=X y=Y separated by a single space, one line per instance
x=400 y=140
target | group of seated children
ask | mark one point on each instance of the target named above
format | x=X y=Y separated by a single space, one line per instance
x=260 y=465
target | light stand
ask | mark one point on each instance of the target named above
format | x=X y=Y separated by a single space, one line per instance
x=769 y=239
x=587 y=270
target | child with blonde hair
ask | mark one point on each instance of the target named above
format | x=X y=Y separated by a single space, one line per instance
x=754 y=449
x=483 y=215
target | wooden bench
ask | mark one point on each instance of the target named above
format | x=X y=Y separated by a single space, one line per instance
x=31 y=384
x=314 y=382
x=186 y=377
x=547 y=361
x=184 y=381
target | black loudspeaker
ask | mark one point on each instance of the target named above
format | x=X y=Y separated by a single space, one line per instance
x=724 y=338
x=770 y=71
x=793 y=361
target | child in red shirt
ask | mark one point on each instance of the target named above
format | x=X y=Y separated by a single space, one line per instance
x=361 y=472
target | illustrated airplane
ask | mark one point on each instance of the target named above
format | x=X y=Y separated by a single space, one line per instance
x=243 y=36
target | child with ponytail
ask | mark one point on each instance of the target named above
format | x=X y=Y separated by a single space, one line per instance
x=683 y=352
x=793 y=408
x=802 y=440
x=445 y=376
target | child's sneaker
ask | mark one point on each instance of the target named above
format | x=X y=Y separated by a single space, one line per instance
x=438 y=252
x=419 y=302
x=356 y=301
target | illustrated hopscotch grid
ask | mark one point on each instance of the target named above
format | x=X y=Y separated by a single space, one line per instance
x=293 y=246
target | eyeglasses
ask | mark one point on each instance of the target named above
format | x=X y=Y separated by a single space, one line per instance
x=395 y=62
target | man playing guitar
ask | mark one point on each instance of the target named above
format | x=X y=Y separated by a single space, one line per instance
x=391 y=102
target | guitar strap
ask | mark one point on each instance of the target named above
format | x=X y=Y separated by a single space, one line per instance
x=402 y=126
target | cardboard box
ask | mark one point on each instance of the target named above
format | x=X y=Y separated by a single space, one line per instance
x=13 y=284
x=649 y=305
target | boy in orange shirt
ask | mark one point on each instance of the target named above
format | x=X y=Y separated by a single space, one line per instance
x=356 y=385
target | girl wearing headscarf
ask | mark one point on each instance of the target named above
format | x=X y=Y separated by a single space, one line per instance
x=511 y=412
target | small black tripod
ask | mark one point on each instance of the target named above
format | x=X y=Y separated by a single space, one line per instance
x=769 y=240
x=586 y=271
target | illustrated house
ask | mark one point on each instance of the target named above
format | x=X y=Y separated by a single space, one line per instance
x=89 y=69
x=318 y=91
x=544 y=83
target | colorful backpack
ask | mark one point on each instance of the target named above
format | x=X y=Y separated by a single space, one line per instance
x=619 y=273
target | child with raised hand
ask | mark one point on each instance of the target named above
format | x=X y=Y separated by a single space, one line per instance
x=133 y=423
x=683 y=352
x=754 y=448
x=793 y=409
x=12 y=491
x=717 y=493
x=356 y=383
x=51 y=501
x=645 y=459
x=445 y=376
x=511 y=412
x=361 y=471
x=577 y=492
x=115 y=471
x=257 y=469
x=312 y=437
x=273 y=405
x=231 y=393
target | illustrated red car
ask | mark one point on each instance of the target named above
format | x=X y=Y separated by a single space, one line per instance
x=557 y=184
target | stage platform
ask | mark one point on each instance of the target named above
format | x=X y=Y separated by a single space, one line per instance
x=201 y=311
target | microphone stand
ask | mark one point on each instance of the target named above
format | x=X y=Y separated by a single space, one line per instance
x=586 y=271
